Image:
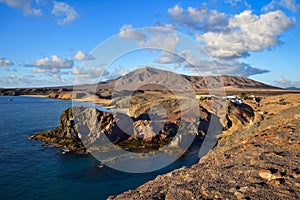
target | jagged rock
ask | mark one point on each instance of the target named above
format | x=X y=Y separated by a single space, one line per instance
x=77 y=124
x=260 y=161
x=80 y=128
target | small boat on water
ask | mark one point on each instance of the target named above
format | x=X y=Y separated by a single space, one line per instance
x=101 y=165
x=64 y=151
x=10 y=99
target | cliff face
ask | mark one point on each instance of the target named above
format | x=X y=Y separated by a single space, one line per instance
x=81 y=128
x=260 y=161
x=67 y=133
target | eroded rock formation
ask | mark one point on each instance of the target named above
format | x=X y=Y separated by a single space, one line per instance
x=82 y=128
x=260 y=161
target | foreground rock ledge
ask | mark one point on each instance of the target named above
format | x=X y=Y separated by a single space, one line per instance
x=260 y=162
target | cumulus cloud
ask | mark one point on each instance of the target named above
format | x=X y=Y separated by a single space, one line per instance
x=80 y=55
x=188 y=60
x=25 y=5
x=198 y=18
x=169 y=58
x=65 y=12
x=54 y=62
x=185 y=58
x=167 y=42
x=11 y=80
x=237 y=2
x=248 y=32
x=168 y=26
x=278 y=4
x=5 y=62
x=236 y=68
x=229 y=37
x=128 y=32
x=225 y=37
x=51 y=66
x=32 y=81
x=93 y=72
x=45 y=70
x=17 y=80
x=283 y=82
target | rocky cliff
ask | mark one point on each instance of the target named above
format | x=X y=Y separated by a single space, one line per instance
x=81 y=129
x=259 y=161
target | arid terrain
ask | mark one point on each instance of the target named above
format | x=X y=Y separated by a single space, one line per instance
x=257 y=161
x=257 y=154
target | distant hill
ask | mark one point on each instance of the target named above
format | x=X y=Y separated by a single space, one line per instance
x=293 y=88
x=149 y=78
x=154 y=75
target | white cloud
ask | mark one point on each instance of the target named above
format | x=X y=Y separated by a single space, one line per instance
x=167 y=58
x=248 y=32
x=226 y=67
x=93 y=72
x=32 y=81
x=225 y=37
x=128 y=32
x=278 y=4
x=5 y=62
x=236 y=2
x=168 y=26
x=56 y=76
x=283 y=82
x=198 y=18
x=51 y=66
x=80 y=55
x=232 y=2
x=185 y=58
x=45 y=70
x=54 y=62
x=25 y=5
x=66 y=13
x=236 y=68
x=88 y=75
x=189 y=61
x=167 y=42
x=12 y=79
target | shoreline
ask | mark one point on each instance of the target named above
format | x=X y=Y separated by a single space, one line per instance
x=35 y=95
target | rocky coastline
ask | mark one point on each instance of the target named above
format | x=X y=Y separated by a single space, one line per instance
x=256 y=156
x=256 y=161
x=80 y=127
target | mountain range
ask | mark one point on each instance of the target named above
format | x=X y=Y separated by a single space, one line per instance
x=148 y=78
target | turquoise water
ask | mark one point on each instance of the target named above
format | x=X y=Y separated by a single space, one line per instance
x=30 y=171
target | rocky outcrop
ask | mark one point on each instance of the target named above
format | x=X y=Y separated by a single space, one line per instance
x=259 y=162
x=66 y=134
x=81 y=129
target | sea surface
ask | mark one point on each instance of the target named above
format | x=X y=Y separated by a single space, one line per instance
x=30 y=171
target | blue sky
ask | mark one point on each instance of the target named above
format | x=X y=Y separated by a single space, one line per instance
x=47 y=43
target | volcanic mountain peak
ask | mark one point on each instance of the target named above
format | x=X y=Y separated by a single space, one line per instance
x=146 y=74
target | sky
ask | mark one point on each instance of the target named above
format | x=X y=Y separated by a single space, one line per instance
x=51 y=43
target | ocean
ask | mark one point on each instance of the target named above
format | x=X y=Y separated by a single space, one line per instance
x=30 y=171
